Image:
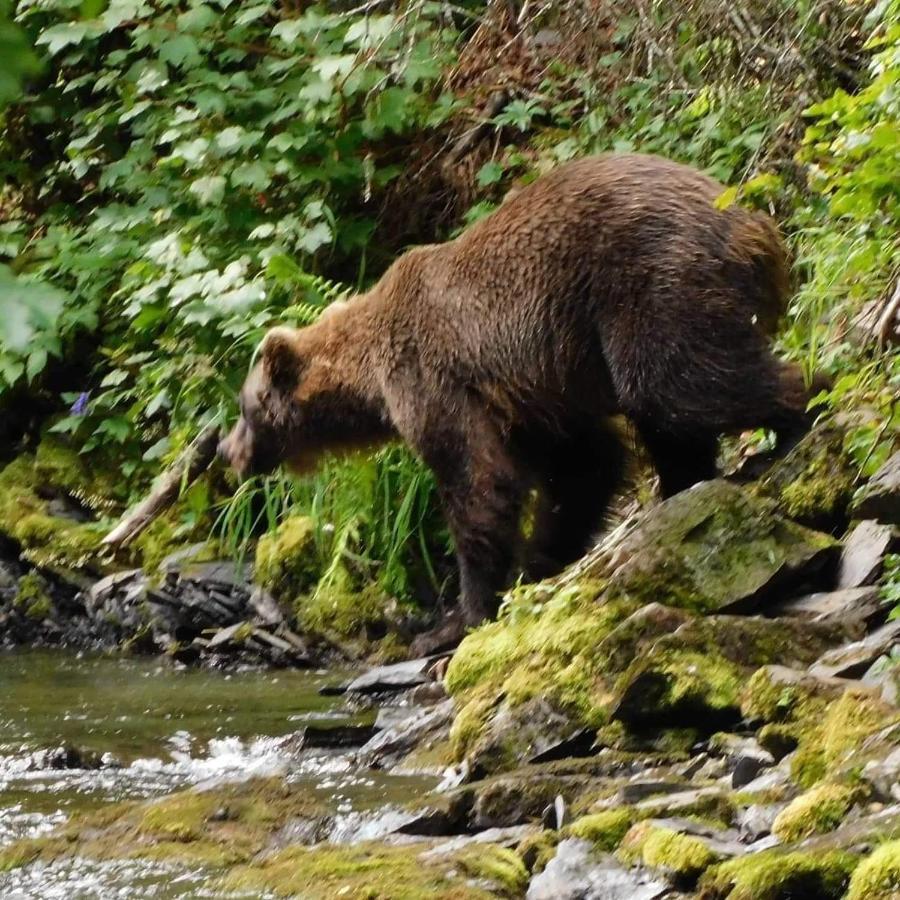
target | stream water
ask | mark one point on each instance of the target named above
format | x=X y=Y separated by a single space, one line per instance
x=161 y=729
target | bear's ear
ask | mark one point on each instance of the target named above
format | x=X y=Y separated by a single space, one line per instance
x=280 y=358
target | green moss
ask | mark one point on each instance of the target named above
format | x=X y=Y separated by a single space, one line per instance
x=679 y=854
x=46 y=540
x=32 y=597
x=773 y=875
x=222 y=826
x=826 y=722
x=878 y=877
x=819 y=810
x=855 y=716
x=24 y=852
x=605 y=829
x=549 y=642
x=343 y=610
x=538 y=849
x=287 y=561
x=815 y=482
x=498 y=865
x=181 y=817
x=60 y=466
x=374 y=871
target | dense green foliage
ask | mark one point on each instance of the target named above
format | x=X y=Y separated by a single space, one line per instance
x=183 y=174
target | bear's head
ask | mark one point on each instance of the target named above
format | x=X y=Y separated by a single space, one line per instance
x=268 y=429
x=304 y=397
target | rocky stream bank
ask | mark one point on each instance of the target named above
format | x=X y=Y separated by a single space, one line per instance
x=704 y=706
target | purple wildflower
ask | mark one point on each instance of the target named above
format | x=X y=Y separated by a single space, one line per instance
x=79 y=407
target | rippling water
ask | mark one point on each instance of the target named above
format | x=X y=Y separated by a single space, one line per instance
x=159 y=729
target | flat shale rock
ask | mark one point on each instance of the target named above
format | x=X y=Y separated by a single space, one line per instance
x=577 y=872
x=850 y=605
x=880 y=498
x=862 y=557
x=396 y=677
x=717 y=548
x=392 y=743
x=852 y=660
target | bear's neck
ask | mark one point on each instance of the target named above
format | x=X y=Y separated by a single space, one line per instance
x=357 y=359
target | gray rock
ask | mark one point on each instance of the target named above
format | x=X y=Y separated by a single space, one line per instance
x=390 y=744
x=500 y=837
x=748 y=765
x=884 y=676
x=880 y=499
x=746 y=759
x=537 y=729
x=776 y=778
x=672 y=804
x=860 y=604
x=863 y=555
x=852 y=660
x=396 y=677
x=637 y=791
x=883 y=776
x=756 y=821
x=576 y=872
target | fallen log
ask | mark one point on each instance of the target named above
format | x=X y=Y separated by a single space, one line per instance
x=192 y=462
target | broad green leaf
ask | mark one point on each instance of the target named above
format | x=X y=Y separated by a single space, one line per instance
x=209 y=190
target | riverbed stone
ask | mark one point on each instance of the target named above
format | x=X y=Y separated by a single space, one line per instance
x=578 y=872
x=880 y=498
x=755 y=821
x=389 y=745
x=862 y=557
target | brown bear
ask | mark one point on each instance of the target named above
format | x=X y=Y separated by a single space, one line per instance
x=612 y=285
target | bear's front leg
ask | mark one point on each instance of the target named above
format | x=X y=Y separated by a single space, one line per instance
x=482 y=488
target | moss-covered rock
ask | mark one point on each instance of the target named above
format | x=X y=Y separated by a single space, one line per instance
x=827 y=719
x=774 y=875
x=377 y=871
x=569 y=640
x=696 y=675
x=287 y=561
x=213 y=828
x=46 y=540
x=681 y=856
x=33 y=598
x=878 y=877
x=815 y=482
x=605 y=830
x=716 y=548
x=818 y=810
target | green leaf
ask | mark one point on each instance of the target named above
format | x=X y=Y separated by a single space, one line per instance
x=181 y=51
x=58 y=37
x=209 y=190
x=490 y=173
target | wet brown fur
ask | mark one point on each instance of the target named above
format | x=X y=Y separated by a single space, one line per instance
x=611 y=285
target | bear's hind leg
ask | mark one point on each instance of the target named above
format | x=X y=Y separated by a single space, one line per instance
x=680 y=461
x=578 y=479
